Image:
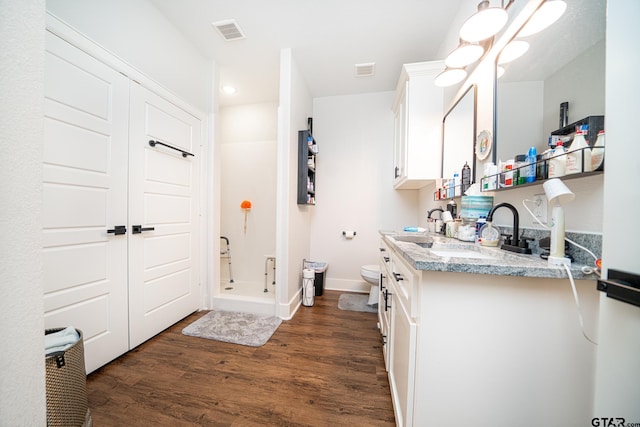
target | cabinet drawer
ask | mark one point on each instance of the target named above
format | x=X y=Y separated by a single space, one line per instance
x=402 y=277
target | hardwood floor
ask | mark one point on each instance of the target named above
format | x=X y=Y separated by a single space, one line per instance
x=322 y=368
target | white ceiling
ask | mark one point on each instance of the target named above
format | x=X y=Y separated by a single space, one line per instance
x=328 y=37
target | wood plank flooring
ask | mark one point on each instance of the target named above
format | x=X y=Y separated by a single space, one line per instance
x=324 y=367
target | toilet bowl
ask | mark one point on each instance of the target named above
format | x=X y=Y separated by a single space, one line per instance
x=371 y=274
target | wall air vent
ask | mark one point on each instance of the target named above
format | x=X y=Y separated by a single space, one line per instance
x=229 y=30
x=365 y=70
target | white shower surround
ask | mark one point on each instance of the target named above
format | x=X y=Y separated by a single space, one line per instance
x=248 y=163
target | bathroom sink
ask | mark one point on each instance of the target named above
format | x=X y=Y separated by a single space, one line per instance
x=424 y=241
x=460 y=253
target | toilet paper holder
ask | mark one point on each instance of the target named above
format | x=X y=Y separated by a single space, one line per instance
x=349 y=234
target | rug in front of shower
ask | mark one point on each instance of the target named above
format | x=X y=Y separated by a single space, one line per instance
x=356 y=302
x=233 y=327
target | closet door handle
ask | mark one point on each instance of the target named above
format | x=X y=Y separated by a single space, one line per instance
x=117 y=230
x=137 y=229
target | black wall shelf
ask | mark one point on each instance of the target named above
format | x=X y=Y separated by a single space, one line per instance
x=307 y=151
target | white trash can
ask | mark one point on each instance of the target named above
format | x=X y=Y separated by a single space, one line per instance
x=308 y=287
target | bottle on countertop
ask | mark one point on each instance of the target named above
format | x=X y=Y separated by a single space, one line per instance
x=597 y=153
x=541 y=166
x=489 y=180
x=531 y=169
x=579 y=154
x=466 y=177
x=519 y=164
x=507 y=173
x=557 y=161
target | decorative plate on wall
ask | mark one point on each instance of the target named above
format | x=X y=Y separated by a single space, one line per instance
x=483 y=144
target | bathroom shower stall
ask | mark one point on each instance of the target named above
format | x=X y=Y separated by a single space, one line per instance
x=248 y=135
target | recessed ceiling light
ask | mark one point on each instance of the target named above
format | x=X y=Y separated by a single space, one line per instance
x=229 y=90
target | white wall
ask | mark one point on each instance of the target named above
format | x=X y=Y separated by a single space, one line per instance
x=618 y=371
x=292 y=221
x=136 y=32
x=355 y=185
x=22 y=381
x=248 y=137
x=581 y=82
x=520 y=125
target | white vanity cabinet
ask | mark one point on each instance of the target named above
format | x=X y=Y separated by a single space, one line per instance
x=399 y=331
x=418 y=111
x=463 y=348
x=384 y=300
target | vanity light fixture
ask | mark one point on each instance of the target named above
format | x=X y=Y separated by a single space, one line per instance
x=485 y=23
x=548 y=13
x=450 y=76
x=463 y=55
x=514 y=50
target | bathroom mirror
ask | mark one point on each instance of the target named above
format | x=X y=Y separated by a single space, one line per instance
x=458 y=135
x=564 y=63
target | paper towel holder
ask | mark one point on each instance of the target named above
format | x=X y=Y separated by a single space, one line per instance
x=349 y=234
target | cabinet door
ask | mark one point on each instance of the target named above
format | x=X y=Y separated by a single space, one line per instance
x=84 y=195
x=402 y=368
x=164 y=198
x=418 y=138
x=400 y=139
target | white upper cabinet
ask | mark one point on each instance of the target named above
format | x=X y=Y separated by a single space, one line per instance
x=418 y=112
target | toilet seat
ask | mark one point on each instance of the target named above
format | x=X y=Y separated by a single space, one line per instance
x=371 y=271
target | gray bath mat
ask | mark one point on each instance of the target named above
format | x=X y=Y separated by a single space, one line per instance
x=356 y=302
x=237 y=328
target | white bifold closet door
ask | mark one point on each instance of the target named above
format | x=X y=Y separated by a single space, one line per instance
x=100 y=179
x=163 y=195
x=84 y=196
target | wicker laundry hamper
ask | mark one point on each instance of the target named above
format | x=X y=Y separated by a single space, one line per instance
x=66 y=379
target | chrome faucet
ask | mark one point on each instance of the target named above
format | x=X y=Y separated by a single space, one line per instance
x=515 y=244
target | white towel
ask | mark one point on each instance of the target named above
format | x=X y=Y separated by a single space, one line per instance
x=61 y=340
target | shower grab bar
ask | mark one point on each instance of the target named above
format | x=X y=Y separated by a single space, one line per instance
x=184 y=153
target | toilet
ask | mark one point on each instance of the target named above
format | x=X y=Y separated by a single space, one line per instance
x=371 y=274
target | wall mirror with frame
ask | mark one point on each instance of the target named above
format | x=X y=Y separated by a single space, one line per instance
x=458 y=135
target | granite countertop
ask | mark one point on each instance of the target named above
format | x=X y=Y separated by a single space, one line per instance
x=460 y=257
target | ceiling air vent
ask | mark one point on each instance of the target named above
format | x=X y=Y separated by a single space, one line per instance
x=229 y=30
x=365 y=70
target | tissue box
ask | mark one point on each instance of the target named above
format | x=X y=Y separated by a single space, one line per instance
x=473 y=207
